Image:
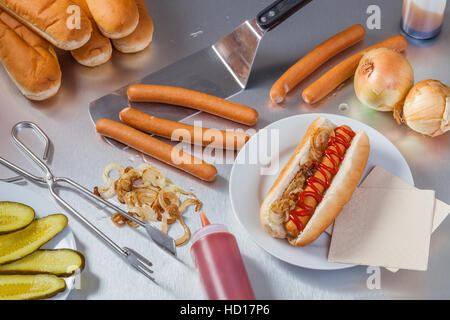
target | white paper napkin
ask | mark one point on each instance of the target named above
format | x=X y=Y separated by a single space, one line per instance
x=386 y=228
x=381 y=178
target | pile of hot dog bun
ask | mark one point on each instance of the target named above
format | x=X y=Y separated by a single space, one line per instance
x=30 y=28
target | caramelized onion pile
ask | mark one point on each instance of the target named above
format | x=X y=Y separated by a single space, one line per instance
x=148 y=195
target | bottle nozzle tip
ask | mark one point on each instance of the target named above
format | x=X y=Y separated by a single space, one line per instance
x=204 y=219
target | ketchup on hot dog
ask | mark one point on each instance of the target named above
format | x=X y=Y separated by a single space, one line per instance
x=333 y=153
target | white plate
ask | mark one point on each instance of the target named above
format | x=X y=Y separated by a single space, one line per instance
x=42 y=207
x=248 y=187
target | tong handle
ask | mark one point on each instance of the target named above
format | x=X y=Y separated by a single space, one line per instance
x=101 y=200
x=14 y=134
x=133 y=258
x=38 y=131
x=20 y=171
x=100 y=234
x=160 y=238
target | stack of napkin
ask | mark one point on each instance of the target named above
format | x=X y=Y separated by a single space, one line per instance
x=387 y=223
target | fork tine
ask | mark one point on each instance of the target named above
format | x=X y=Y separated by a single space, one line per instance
x=139 y=257
x=145 y=271
x=139 y=263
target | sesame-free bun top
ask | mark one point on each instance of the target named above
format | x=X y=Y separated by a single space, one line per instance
x=98 y=49
x=140 y=38
x=29 y=60
x=49 y=19
x=115 y=19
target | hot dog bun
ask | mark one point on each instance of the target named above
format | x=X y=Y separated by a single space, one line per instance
x=98 y=49
x=29 y=60
x=141 y=37
x=49 y=19
x=336 y=196
x=115 y=19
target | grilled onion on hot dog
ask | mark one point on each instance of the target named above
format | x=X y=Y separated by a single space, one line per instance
x=316 y=183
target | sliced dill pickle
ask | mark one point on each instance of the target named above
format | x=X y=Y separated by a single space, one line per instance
x=14 y=216
x=60 y=262
x=18 y=244
x=27 y=287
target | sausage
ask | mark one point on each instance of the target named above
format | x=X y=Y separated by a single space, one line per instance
x=310 y=201
x=314 y=59
x=345 y=70
x=156 y=149
x=195 y=100
x=183 y=132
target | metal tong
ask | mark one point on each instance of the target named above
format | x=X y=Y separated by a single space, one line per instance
x=132 y=257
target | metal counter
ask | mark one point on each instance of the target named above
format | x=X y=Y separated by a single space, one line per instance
x=181 y=28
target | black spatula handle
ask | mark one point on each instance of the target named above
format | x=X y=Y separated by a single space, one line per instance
x=278 y=11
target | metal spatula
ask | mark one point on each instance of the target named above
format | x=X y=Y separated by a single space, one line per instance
x=221 y=70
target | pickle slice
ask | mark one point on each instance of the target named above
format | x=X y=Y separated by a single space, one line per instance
x=27 y=287
x=14 y=216
x=60 y=262
x=18 y=244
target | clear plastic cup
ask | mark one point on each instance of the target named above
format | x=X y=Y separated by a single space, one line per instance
x=422 y=19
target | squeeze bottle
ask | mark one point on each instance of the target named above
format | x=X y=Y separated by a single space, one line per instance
x=219 y=263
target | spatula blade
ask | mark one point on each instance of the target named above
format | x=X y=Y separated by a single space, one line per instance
x=165 y=242
x=221 y=70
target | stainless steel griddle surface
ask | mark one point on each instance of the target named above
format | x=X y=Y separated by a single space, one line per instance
x=183 y=27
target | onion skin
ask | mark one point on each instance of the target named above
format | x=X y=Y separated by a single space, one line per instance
x=383 y=79
x=427 y=108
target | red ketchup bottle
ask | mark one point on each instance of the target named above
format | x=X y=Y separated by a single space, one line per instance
x=219 y=263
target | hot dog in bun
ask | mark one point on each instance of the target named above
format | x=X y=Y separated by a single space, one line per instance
x=316 y=183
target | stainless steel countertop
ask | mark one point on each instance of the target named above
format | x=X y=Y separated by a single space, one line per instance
x=81 y=154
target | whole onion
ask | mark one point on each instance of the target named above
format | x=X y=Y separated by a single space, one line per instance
x=383 y=79
x=427 y=108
